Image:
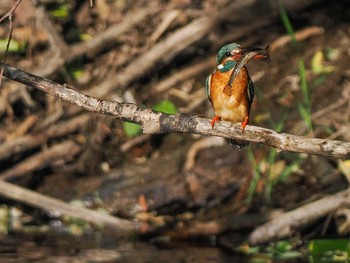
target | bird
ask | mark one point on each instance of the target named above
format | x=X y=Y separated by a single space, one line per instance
x=230 y=88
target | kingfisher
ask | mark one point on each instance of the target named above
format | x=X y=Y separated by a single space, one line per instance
x=230 y=88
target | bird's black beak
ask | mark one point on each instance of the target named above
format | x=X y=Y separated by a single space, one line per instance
x=259 y=53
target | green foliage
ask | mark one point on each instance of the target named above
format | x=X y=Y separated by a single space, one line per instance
x=166 y=106
x=317 y=64
x=60 y=11
x=75 y=69
x=256 y=176
x=77 y=73
x=304 y=108
x=282 y=250
x=288 y=25
x=270 y=168
x=14 y=46
x=329 y=250
x=131 y=129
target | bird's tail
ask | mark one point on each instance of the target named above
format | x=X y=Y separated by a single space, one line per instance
x=237 y=144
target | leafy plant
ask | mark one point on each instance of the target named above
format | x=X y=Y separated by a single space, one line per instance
x=165 y=106
x=14 y=46
x=131 y=129
x=272 y=170
x=60 y=11
x=304 y=107
x=329 y=250
x=281 y=250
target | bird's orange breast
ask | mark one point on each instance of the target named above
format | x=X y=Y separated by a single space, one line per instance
x=231 y=104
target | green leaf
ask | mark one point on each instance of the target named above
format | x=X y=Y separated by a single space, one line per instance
x=77 y=73
x=288 y=25
x=305 y=115
x=329 y=250
x=303 y=82
x=61 y=11
x=317 y=64
x=131 y=129
x=289 y=255
x=13 y=47
x=166 y=106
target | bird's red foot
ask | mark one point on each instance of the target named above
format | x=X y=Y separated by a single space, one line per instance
x=244 y=123
x=215 y=119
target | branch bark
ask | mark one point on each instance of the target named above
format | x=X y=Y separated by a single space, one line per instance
x=59 y=152
x=156 y=122
x=30 y=197
x=284 y=225
x=30 y=141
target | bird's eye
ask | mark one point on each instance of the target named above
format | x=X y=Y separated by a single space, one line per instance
x=228 y=54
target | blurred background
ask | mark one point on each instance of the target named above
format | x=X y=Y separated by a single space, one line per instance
x=195 y=198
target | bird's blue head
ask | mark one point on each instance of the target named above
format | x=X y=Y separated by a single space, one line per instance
x=227 y=51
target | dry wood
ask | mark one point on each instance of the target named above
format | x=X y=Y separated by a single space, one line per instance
x=168 y=48
x=29 y=197
x=289 y=222
x=168 y=18
x=8 y=15
x=300 y=35
x=59 y=152
x=230 y=222
x=91 y=47
x=30 y=141
x=156 y=122
x=183 y=74
x=198 y=146
x=109 y=37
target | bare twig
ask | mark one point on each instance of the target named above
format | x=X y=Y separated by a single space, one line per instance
x=183 y=74
x=156 y=122
x=168 y=18
x=8 y=15
x=59 y=152
x=168 y=48
x=198 y=146
x=299 y=36
x=30 y=141
x=109 y=37
x=29 y=197
x=229 y=222
x=287 y=223
x=91 y=47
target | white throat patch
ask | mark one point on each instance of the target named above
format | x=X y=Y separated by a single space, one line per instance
x=220 y=66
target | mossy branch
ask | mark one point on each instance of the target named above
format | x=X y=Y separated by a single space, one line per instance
x=156 y=123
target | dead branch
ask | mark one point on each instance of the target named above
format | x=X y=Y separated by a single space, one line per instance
x=29 y=197
x=109 y=37
x=168 y=48
x=230 y=222
x=299 y=36
x=287 y=223
x=157 y=123
x=59 y=152
x=8 y=15
x=58 y=52
x=31 y=141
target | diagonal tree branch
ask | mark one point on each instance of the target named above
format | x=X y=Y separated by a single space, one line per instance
x=285 y=224
x=156 y=122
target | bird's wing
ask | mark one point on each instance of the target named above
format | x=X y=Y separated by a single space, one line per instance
x=250 y=90
x=208 y=85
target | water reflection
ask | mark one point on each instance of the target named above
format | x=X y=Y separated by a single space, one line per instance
x=101 y=247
